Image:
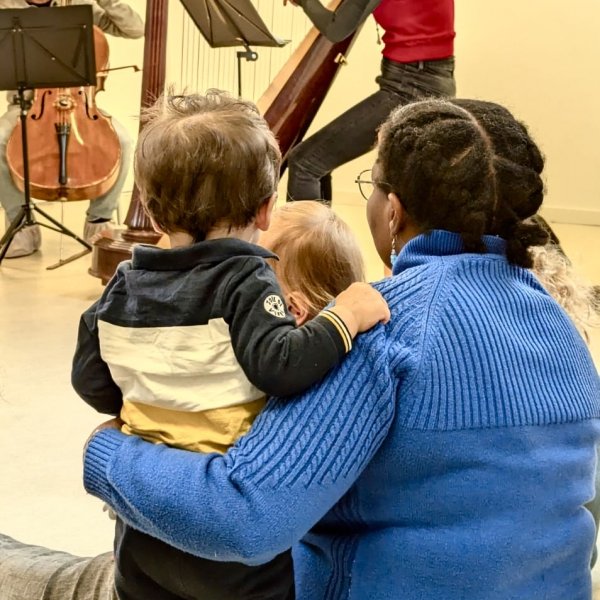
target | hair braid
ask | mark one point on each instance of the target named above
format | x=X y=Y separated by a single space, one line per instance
x=518 y=165
x=465 y=166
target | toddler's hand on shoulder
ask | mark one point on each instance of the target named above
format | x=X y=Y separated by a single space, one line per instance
x=361 y=307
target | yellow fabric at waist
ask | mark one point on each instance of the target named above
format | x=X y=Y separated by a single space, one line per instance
x=206 y=431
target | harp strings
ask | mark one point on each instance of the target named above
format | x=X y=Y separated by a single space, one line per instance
x=194 y=66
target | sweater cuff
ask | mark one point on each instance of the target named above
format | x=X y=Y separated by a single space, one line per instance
x=98 y=457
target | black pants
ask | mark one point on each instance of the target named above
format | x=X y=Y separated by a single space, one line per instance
x=148 y=569
x=354 y=133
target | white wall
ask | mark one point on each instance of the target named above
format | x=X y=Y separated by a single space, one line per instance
x=541 y=59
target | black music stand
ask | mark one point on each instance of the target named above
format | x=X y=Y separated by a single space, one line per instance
x=226 y=23
x=49 y=47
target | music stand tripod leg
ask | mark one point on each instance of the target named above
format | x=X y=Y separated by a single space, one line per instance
x=61 y=228
x=25 y=216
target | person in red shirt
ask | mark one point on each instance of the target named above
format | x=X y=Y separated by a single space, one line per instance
x=418 y=47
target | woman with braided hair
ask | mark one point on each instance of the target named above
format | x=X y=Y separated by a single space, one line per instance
x=452 y=452
x=466 y=167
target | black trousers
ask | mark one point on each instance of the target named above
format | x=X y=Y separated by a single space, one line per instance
x=148 y=569
x=354 y=133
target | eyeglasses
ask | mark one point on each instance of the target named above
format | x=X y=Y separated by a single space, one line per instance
x=366 y=185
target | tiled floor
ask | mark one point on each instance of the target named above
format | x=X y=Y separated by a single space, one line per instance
x=44 y=424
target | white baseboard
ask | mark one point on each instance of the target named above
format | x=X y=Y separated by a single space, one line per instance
x=574 y=216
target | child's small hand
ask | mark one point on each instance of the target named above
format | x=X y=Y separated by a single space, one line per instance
x=361 y=307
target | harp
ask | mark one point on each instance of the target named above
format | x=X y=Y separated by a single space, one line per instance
x=289 y=105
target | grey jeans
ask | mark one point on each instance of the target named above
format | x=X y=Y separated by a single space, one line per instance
x=11 y=198
x=36 y=573
x=354 y=132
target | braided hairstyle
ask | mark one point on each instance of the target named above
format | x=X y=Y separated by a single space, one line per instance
x=465 y=166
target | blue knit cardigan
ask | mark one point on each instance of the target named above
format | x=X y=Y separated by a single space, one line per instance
x=449 y=456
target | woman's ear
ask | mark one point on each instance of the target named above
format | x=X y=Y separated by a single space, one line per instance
x=402 y=226
x=298 y=307
x=263 y=215
x=397 y=214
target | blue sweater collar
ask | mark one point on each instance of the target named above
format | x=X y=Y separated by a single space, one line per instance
x=437 y=243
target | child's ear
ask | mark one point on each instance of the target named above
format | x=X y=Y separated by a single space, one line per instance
x=297 y=305
x=263 y=215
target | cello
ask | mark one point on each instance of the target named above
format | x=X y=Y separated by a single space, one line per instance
x=85 y=159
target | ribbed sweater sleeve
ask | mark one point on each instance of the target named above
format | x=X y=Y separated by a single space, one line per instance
x=339 y=24
x=273 y=486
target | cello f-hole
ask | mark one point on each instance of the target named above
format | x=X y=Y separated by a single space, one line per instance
x=42 y=106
